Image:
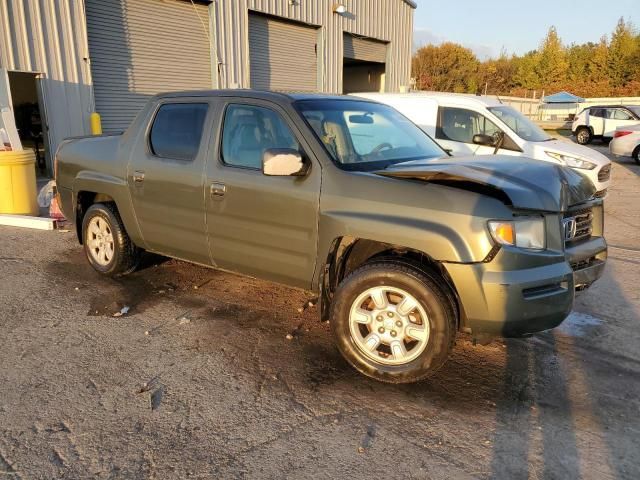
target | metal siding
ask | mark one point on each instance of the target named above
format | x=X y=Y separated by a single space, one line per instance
x=49 y=37
x=363 y=49
x=385 y=20
x=143 y=47
x=272 y=65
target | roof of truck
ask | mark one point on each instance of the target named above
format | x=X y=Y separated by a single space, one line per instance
x=260 y=94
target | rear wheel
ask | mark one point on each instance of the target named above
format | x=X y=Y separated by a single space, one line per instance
x=393 y=322
x=107 y=246
x=636 y=154
x=583 y=136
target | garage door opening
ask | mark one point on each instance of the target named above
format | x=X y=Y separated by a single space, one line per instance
x=364 y=65
x=27 y=113
x=361 y=76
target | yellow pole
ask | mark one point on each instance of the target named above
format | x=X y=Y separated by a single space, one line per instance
x=96 y=125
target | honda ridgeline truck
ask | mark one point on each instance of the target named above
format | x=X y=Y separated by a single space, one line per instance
x=405 y=245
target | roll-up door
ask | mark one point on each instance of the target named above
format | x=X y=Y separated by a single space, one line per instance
x=139 y=48
x=282 y=55
x=356 y=48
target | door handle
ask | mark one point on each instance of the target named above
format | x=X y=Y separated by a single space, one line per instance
x=217 y=189
x=138 y=176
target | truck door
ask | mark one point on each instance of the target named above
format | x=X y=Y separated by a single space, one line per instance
x=261 y=225
x=166 y=179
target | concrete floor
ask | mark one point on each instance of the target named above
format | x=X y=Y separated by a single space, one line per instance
x=203 y=383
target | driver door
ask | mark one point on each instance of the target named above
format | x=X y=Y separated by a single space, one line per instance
x=264 y=226
x=457 y=126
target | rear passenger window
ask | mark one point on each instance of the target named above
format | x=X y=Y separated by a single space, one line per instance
x=249 y=130
x=597 y=112
x=177 y=130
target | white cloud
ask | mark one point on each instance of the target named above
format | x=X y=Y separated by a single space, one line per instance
x=424 y=36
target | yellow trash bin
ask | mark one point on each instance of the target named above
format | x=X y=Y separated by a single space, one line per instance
x=18 y=194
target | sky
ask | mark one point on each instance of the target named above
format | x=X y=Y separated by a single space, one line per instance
x=488 y=27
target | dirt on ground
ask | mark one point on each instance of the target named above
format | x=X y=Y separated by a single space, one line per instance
x=212 y=375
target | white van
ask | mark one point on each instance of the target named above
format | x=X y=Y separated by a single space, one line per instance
x=471 y=125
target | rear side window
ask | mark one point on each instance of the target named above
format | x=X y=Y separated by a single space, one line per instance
x=177 y=130
x=597 y=112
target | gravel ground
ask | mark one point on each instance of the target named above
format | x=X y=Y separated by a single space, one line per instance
x=199 y=379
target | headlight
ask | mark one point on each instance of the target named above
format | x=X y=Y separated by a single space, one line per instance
x=573 y=162
x=525 y=232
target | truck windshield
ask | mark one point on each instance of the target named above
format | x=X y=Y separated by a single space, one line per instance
x=366 y=136
x=521 y=125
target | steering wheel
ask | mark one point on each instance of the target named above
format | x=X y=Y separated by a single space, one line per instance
x=381 y=147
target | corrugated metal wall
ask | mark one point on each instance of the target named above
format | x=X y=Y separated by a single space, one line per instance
x=386 y=20
x=140 y=48
x=49 y=37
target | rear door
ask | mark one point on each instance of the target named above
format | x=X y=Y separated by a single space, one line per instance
x=261 y=225
x=617 y=117
x=166 y=179
x=596 y=120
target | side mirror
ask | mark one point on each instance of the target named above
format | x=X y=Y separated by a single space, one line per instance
x=485 y=140
x=284 y=162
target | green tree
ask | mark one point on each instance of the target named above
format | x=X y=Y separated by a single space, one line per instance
x=552 y=66
x=526 y=71
x=623 y=52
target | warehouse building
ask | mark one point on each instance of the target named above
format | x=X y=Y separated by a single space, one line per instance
x=64 y=59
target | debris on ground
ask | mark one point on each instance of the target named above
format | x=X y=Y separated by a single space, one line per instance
x=289 y=336
x=123 y=311
x=308 y=304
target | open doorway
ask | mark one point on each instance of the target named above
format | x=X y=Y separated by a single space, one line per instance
x=28 y=113
x=362 y=76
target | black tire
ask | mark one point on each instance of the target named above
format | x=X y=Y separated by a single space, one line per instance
x=583 y=136
x=424 y=286
x=126 y=255
x=636 y=154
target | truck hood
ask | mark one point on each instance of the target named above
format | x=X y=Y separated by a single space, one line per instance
x=519 y=182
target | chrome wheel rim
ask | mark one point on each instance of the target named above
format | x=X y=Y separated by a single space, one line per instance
x=100 y=241
x=389 y=325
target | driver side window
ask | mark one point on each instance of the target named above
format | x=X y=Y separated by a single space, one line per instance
x=248 y=131
x=460 y=125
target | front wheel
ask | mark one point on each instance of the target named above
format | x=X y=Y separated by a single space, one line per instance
x=636 y=154
x=107 y=245
x=393 y=322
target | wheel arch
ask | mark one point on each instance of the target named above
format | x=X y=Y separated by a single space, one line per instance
x=347 y=253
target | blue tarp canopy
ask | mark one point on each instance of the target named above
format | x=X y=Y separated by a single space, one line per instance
x=563 y=97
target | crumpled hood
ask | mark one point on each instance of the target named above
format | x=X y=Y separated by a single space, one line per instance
x=520 y=182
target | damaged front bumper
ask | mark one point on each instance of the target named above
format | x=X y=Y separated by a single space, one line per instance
x=498 y=300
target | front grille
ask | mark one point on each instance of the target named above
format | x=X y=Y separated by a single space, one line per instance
x=579 y=265
x=578 y=225
x=605 y=173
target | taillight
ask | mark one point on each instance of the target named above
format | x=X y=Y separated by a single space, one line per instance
x=621 y=133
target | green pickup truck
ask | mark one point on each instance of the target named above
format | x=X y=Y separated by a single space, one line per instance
x=405 y=245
